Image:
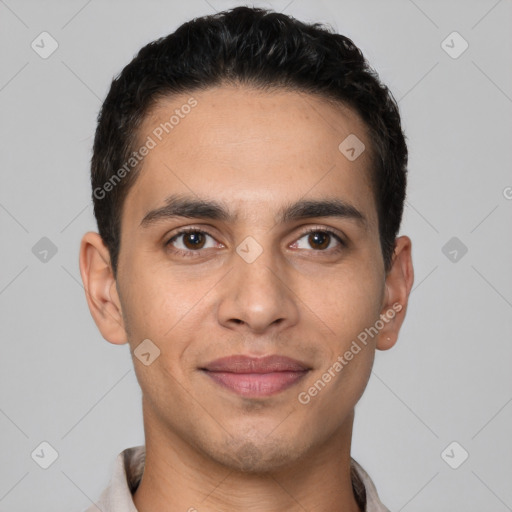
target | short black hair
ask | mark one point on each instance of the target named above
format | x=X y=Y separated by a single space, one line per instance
x=256 y=47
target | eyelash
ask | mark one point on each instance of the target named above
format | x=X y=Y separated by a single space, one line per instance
x=190 y=253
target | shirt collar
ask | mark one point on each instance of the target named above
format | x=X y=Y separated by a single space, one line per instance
x=129 y=466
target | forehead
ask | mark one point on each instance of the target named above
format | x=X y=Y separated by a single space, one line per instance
x=254 y=150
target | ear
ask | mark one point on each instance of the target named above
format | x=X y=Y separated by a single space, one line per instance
x=100 y=288
x=399 y=281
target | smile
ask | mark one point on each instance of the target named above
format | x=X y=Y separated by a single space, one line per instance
x=256 y=377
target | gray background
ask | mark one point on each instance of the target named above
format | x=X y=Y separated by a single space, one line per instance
x=448 y=378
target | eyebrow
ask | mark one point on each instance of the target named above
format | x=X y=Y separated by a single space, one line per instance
x=191 y=207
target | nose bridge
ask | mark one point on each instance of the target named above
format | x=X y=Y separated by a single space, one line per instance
x=258 y=295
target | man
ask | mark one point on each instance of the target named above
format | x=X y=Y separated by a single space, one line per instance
x=248 y=179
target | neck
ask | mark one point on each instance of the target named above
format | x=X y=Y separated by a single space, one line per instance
x=179 y=478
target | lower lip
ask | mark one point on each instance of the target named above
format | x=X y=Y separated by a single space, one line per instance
x=256 y=384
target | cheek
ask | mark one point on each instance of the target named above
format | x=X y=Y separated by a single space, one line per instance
x=347 y=300
x=169 y=311
x=332 y=397
x=348 y=353
x=349 y=306
x=155 y=301
x=156 y=312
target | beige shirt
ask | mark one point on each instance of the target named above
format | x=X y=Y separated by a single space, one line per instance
x=117 y=497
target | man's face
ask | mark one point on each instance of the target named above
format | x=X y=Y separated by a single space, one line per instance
x=306 y=296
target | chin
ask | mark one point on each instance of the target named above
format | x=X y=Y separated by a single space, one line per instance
x=266 y=456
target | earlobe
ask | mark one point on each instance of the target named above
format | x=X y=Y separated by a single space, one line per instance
x=99 y=282
x=399 y=281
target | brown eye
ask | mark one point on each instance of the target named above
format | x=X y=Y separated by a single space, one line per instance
x=319 y=240
x=190 y=241
x=193 y=240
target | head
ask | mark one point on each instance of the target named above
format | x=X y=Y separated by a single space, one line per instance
x=275 y=144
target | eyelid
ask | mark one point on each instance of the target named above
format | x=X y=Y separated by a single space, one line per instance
x=189 y=229
x=327 y=229
x=182 y=252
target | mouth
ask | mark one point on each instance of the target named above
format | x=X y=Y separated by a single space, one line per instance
x=256 y=377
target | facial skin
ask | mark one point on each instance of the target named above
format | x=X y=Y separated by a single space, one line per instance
x=255 y=153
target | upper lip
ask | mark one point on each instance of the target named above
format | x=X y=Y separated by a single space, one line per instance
x=248 y=364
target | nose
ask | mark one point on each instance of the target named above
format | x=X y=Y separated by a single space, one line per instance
x=258 y=296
